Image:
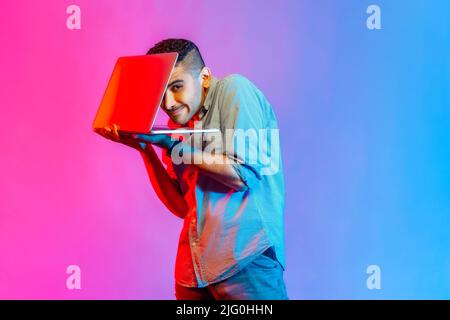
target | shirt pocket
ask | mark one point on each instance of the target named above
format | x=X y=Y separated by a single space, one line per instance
x=263 y=261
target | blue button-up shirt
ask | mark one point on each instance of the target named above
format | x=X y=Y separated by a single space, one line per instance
x=225 y=229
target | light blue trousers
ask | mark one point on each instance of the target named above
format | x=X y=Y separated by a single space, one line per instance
x=261 y=279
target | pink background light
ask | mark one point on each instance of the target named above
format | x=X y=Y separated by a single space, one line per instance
x=67 y=195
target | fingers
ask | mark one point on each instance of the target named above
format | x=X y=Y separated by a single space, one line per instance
x=137 y=141
x=110 y=133
x=116 y=131
x=128 y=140
x=105 y=132
x=110 y=136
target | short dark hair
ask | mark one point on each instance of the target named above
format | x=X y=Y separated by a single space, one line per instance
x=188 y=54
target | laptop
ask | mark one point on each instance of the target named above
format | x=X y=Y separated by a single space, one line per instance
x=134 y=94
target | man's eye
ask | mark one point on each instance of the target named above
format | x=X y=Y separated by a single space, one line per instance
x=176 y=88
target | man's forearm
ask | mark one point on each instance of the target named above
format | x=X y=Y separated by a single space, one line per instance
x=213 y=165
x=167 y=190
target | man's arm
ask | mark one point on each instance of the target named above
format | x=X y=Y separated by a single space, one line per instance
x=217 y=166
x=213 y=165
x=167 y=190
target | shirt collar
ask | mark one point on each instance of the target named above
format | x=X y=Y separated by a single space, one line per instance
x=209 y=95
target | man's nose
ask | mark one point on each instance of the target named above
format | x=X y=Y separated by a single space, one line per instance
x=169 y=101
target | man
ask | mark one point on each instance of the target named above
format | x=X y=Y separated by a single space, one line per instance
x=231 y=245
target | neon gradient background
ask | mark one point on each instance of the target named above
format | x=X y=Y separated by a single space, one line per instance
x=365 y=129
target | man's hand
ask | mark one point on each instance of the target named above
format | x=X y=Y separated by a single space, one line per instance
x=112 y=134
x=161 y=140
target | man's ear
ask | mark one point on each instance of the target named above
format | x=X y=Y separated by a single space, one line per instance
x=205 y=75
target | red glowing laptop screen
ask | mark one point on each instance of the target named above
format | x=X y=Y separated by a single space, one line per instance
x=135 y=91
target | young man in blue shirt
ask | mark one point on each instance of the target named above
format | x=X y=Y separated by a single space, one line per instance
x=231 y=196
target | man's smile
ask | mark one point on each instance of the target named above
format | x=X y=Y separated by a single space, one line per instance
x=176 y=111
